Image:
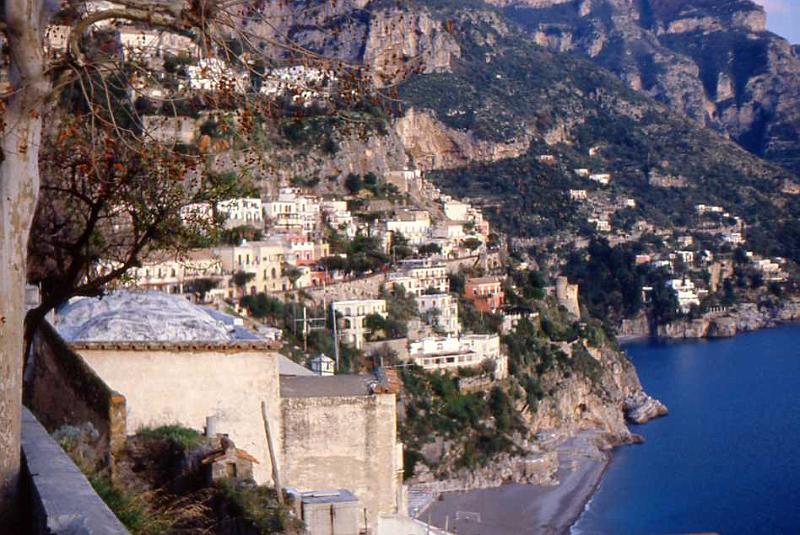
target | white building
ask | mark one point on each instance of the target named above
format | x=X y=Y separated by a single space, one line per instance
x=351 y=317
x=455 y=210
x=414 y=225
x=577 y=194
x=323 y=365
x=339 y=217
x=602 y=225
x=601 y=178
x=440 y=311
x=305 y=84
x=685 y=292
x=138 y=43
x=734 y=238
x=449 y=353
x=583 y=173
x=243 y=211
x=708 y=209
x=213 y=74
x=294 y=211
x=417 y=276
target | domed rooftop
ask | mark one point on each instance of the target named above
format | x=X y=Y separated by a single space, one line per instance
x=144 y=316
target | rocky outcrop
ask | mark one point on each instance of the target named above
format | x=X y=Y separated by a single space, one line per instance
x=433 y=145
x=638 y=326
x=640 y=408
x=399 y=43
x=742 y=318
x=713 y=61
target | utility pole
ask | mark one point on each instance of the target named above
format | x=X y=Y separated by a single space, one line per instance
x=276 y=474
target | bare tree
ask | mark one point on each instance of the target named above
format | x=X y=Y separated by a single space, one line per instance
x=110 y=188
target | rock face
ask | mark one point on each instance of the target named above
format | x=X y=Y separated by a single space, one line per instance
x=713 y=60
x=742 y=318
x=641 y=408
x=433 y=145
x=602 y=404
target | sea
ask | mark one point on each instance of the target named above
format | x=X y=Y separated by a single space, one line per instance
x=727 y=457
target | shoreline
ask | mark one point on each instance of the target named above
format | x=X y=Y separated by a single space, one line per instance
x=528 y=509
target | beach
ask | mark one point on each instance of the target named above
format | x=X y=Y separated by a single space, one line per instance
x=527 y=509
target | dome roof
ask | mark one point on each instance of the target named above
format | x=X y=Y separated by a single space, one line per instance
x=141 y=316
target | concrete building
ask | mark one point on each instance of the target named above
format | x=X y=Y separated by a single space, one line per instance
x=243 y=211
x=577 y=194
x=173 y=275
x=455 y=210
x=294 y=211
x=450 y=353
x=339 y=217
x=140 y=44
x=175 y=363
x=686 y=293
x=343 y=429
x=406 y=180
x=417 y=276
x=414 y=225
x=440 y=311
x=351 y=318
x=166 y=362
x=331 y=512
x=486 y=293
x=322 y=364
x=213 y=74
x=603 y=179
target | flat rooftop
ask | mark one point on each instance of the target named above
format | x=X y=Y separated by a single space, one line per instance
x=326 y=386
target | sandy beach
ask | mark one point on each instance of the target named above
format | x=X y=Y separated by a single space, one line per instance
x=526 y=509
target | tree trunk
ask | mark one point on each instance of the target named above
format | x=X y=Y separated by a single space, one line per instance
x=19 y=189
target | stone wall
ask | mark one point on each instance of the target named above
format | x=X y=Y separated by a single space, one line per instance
x=362 y=288
x=344 y=442
x=61 y=389
x=59 y=498
x=567 y=295
x=185 y=383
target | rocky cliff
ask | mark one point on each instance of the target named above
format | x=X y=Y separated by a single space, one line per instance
x=741 y=318
x=713 y=60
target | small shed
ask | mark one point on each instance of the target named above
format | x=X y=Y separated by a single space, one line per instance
x=332 y=512
x=228 y=463
x=323 y=365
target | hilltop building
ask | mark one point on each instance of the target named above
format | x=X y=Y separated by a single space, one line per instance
x=486 y=293
x=351 y=318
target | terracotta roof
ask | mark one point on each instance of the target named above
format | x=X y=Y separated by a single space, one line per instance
x=216 y=455
x=177 y=347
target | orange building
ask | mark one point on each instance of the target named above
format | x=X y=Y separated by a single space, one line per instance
x=486 y=293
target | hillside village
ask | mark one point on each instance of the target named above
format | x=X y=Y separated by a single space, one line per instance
x=363 y=341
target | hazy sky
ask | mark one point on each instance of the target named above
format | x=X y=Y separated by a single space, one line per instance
x=783 y=18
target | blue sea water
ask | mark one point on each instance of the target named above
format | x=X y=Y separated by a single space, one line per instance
x=727 y=457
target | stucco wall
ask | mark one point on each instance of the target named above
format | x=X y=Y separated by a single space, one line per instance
x=61 y=389
x=343 y=442
x=185 y=386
